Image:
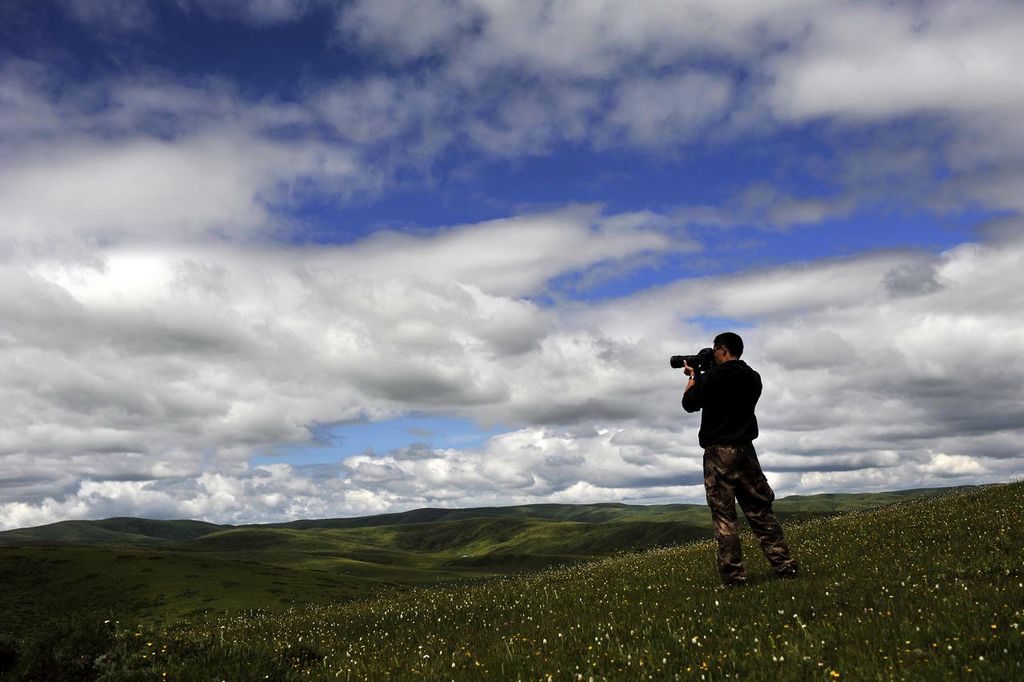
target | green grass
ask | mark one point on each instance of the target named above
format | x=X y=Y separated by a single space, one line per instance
x=42 y=585
x=116 y=531
x=924 y=590
x=139 y=570
x=274 y=568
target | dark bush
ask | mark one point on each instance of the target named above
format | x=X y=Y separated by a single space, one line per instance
x=8 y=654
x=300 y=656
x=68 y=652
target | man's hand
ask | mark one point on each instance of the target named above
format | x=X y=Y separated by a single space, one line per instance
x=689 y=371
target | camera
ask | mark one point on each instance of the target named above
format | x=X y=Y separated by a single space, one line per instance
x=701 y=362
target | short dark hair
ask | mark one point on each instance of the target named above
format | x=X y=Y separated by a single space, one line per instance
x=732 y=343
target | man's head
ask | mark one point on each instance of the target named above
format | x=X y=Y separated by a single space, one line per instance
x=727 y=346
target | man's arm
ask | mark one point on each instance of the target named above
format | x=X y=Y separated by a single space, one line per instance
x=692 y=392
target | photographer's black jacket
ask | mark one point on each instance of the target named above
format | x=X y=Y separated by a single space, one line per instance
x=727 y=395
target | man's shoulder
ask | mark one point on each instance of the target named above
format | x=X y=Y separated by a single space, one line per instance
x=738 y=370
x=747 y=368
x=750 y=370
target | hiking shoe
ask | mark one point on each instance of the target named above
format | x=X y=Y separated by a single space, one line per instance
x=735 y=582
x=788 y=573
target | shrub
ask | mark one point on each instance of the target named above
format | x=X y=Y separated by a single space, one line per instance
x=74 y=650
x=8 y=654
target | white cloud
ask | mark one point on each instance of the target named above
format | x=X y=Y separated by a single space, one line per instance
x=407 y=30
x=526 y=76
x=513 y=257
x=518 y=79
x=375 y=109
x=258 y=12
x=875 y=61
x=144 y=361
x=208 y=184
x=130 y=16
x=585 y=38
x=25 y=108
x=839 y=58
x=112 y=16
x=867 y=385
x=652 y=110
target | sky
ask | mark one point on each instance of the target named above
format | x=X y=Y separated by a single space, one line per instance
x=288 y=259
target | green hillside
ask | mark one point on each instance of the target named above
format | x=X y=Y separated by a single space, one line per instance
x=923 y=590
x=116 y=531
x=43 y=585
x=795 y=505
x=274 y=568
x=138 y=570
x=149 y=533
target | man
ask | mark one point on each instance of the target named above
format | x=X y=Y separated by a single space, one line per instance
x=727 y=394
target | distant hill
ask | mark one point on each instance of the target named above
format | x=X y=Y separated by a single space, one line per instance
x=148 y=569
x=115 y=531
x=925 y=588
x=136 y=532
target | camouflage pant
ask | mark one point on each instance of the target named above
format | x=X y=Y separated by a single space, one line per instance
x=732 y=472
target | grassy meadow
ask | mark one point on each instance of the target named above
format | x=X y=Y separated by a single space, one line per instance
x=921 y=590
x=141 y=570
x=146 y=571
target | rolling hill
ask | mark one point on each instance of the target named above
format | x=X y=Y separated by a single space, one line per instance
x=125 y=531
x=927 y=588
x=148 y=570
